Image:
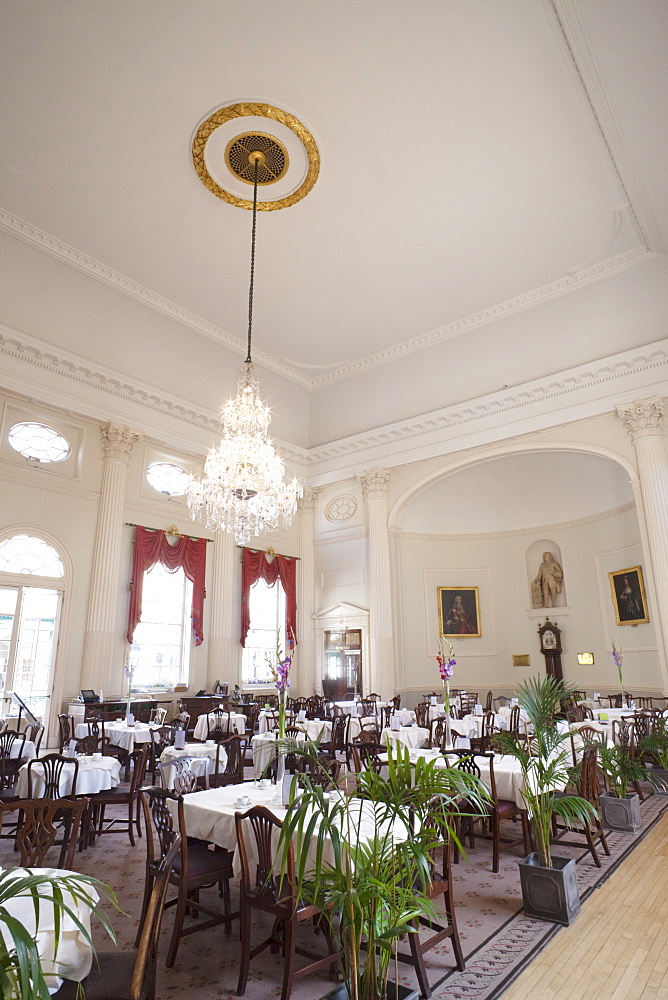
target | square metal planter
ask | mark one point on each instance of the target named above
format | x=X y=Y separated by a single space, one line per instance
x=550 y=893
x=621 y=814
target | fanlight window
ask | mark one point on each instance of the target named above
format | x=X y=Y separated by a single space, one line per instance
x=168 y=478
x=28 y=555
x=39 y=442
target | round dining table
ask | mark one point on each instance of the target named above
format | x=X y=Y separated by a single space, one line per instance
x=73 y=958
x=95 y=774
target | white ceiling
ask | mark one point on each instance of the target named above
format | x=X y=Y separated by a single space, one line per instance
x=479 y=157
x=519 y=492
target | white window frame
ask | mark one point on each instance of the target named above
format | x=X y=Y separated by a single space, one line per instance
x=281 y=610
x=187 y=639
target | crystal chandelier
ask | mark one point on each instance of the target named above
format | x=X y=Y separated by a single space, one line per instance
x=243 y=490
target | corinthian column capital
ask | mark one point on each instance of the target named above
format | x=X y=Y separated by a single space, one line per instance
x=117 y=442
x=375 y=483
x=644 y=418
x=309 y=500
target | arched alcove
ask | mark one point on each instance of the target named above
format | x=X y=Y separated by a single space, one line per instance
x=485 y=522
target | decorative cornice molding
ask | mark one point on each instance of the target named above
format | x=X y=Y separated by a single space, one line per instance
x=643 y=418
x=518 y=304
x=540 y=529
x=597 y=373
x=23 y=347
x=40 y=482
x=589 y=78
x=95 y=269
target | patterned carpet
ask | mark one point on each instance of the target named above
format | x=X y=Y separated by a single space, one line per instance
x=497 y=939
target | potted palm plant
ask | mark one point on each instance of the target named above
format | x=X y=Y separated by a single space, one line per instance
x=656 y=747
x=363 y=855
x=549 y=883
x=21 y=970
x=620 y=809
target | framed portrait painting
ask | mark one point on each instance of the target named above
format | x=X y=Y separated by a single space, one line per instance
x=459 y=612
x=628 y=596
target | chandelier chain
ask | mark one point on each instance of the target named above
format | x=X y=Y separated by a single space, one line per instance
x=252 y=264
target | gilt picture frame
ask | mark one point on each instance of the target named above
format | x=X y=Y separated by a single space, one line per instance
x=628 y=596
x=459 y=612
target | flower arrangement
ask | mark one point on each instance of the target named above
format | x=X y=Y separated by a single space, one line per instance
x=280 y=672
x=446 y=663
x=618 y=657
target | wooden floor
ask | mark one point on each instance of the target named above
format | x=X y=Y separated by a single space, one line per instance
x=617 y=948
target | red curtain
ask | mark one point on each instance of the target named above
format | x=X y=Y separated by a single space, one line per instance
x=255 y=565
x=188 y=554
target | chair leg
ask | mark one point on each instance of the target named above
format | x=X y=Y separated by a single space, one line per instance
x=244 y=959
x=178 y=926
x=289 y=967
x=418 y=963
x=590 y=844
x=495 y=841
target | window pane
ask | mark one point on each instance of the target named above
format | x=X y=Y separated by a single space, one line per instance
x=168 y=478
x=161 y=648
x=39 y=442
x=26 y=554
x=267 y=615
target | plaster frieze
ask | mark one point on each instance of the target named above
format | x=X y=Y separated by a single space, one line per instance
x=309 y=500
x=40 y=482
x=642 y=419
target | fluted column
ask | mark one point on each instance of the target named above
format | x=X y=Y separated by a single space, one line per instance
x=223 y=660
x=101 y=637
x=644 y=421
x=379 y=672
x=308 y=659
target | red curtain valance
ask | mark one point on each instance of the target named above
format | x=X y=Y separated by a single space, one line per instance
x=255 y=565
x=188 y=554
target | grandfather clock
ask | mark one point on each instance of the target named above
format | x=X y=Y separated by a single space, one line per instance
x=550 y=647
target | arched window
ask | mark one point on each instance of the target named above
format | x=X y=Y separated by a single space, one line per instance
x=29 y=617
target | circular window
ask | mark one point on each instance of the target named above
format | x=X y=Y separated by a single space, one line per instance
x=166 y=478
x=39 y=442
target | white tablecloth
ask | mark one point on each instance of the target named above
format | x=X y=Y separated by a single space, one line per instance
x=264 y=751
x=93 y=776
x=204 y=763
x=474 y=724
x=74 y=957
x=610 y=713
x=237 y=722
x=27 y=753
x=410 y=736
x=266 y=719
x=120 y=734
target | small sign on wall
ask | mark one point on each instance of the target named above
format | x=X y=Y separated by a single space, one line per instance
x=521 y=660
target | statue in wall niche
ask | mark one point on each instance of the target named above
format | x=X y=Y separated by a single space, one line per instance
x=548 y=584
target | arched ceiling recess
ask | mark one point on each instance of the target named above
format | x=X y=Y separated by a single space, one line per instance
x=520 y=488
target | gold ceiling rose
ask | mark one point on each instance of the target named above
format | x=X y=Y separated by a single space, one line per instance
x=233 y=155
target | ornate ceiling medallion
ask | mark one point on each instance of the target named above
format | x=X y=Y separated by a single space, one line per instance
x=220 y=155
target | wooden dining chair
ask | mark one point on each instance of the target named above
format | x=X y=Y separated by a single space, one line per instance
x=231 y=772
x=495 y=811
x=261 y=889
x=12 y=746
x=88 y=745
x=34 y=732
x=592 y=829
x=130 y=974
x=182 y=777
x=422 y=714
x=40 y=823
x=440 y=884
x=50 y=768
x=195 y=867
x=65 y=730
x=121 y=797
x=338 y=741
x=160 y=738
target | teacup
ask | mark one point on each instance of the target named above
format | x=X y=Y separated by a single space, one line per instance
x=97 y=756
x=265 y=783
x=242 y=801
x=211 y=743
